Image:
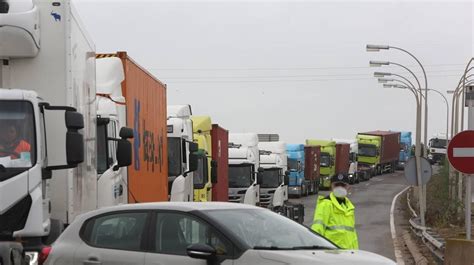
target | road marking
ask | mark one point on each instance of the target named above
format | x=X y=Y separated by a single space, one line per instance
x=463 y=152
x=398 y=252
x=367 y=184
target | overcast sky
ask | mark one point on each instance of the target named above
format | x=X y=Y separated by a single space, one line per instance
x=297 y=68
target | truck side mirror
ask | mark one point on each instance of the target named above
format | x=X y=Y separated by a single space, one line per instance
x=126 y=133
x=213 y=171
x=124 y=154
x=74 y=140
x=193 y=162
x=286 y=179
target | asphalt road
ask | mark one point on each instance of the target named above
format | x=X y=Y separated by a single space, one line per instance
x=372 y=200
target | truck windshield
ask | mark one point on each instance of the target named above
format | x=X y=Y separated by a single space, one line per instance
x=271 y=178
x=367 y=150
x=257 y=228
x=17 y=138
x=293 y=164
x=240 y=176
x=438 y=143
x=174 y=156
x=325 y=160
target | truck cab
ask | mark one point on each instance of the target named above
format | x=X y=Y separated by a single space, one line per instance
x=437 y=148
x=204 y=176
x=378 y=151
x=180 y=150
x=244 y=161
x=273 y=161
x=405 y=149
x=297 y=185
x=327 y=161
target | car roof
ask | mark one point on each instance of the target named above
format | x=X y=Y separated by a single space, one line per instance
x=178 y=206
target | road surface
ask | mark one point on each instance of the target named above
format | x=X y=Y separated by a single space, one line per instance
x=372 y=200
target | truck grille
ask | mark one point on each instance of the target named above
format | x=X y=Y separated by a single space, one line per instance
x=265 y=199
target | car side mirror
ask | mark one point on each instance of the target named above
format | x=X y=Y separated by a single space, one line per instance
x=201 y=251
x=123 y=154
x=213 y=171
x=74 y=140
x=126 y=133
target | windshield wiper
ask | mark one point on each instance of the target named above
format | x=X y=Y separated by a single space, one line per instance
x=270 y=248
x=312 y=247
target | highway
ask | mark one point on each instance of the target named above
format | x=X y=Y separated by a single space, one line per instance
x=372 y=200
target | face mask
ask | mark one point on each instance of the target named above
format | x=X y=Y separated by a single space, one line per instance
x=340 y=192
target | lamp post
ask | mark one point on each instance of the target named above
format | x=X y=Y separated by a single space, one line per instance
x=418 y=98
x=377 y=48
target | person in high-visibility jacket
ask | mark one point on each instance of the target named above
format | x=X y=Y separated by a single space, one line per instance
x=334 y=217
x=10 y=142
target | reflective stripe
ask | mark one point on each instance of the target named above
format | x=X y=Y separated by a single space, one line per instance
x=341 y=227
x=334 y=227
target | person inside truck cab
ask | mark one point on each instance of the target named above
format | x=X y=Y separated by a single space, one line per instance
x=334 y=217
x=11 y=143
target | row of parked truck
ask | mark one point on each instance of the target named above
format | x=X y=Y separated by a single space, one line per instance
x=100 y=133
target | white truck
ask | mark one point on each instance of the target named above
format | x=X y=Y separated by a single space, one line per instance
x=244 y=161
x=437 y=148
x=181 y=158
x=354 y=176
x=48 y=170
x=273 y=187
x=112 y=181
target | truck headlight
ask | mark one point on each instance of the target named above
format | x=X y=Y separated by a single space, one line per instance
x=372 y=166
x=430 y=156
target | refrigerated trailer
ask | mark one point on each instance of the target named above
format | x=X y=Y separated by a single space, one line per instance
x=48 y=97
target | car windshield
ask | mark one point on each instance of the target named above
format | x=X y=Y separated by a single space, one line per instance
x=367 y=150
x=438 y=143
x=17 y=138
x=293 y=164
x=271 y=178
x=240 y=176
x=174 y=156
x=262 y=228
x=325 y=160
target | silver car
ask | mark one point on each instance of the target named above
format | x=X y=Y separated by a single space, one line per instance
x=196 y=233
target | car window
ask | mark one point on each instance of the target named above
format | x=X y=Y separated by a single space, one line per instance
x=117 y=231
x=175 y=232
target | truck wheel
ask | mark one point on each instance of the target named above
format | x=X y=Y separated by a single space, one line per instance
x=357 y=180
x=57 y=227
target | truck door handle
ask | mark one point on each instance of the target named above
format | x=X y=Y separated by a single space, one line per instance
x=92 y=261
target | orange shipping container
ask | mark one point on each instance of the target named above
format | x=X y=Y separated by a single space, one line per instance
x=145 y=99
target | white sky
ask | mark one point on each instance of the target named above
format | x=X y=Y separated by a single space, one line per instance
x=297 y=68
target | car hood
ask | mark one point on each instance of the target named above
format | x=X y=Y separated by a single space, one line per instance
x=323 y=257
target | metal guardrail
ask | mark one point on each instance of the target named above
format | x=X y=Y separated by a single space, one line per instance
x=434 y=242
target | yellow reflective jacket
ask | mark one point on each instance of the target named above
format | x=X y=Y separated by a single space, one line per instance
x=336 y=222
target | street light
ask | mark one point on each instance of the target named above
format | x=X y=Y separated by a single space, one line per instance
x=381 y=74
x=378 y=47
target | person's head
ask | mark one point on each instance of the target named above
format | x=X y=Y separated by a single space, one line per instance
x=8 y=132
x=340 y=185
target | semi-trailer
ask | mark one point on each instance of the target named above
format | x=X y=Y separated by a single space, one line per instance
x=312 y=166
x=354 y=175
x=220 y=154
x=378 y=151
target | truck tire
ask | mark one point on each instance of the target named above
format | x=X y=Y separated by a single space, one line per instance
x=57 y=227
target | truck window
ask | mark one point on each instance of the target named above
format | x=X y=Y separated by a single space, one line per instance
x=200 y=175
x=367 y=150
x=271 y=178
x=174 y=156
x=102 y=163
x=293 y=164
x=325 y=160
x=240 y=176
x=17 y=138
